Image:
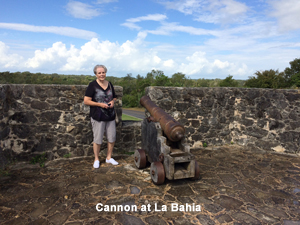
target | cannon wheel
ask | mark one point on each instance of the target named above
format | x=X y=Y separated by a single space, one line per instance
x=197 y=172
x=140 y=159
x=157 y=173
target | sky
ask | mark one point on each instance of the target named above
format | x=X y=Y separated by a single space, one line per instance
x=199 y=38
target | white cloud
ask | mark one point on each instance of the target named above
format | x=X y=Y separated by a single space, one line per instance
x=169 y=63
x=217 y=63
x=184 y=6
x=105 y=1
x=82 y=10
x=168 y=28
x=195 y=63
x=127 y=57
x=131 y=26
x=130 y=23
x=213 y=11
x=65 y=31
x=198 y=63
x=132 y=57
x=55 y=56
x=287 y=12
x=156 y=59
x=152 y=17
x=8 y=60
x=243 y=56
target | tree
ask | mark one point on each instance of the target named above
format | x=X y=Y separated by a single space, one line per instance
x=178 y=80
x=295 y=80
x=202 y=82
x=128 y=83
x=292 y=74
x=228 y=82
x=158 y=78
x=162 y=80
x=266 y=79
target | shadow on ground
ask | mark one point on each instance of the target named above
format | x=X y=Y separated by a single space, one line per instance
x=237 y=186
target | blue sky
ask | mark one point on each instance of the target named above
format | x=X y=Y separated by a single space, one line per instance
x=200 y=38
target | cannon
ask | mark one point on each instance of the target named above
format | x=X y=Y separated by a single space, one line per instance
x=164 y=146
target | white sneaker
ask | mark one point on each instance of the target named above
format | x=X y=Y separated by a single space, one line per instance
x=96 y=164
x=112 y=161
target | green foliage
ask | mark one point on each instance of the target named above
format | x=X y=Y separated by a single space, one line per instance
x=39 y=78
x=275 y=79
x=215 y=83
x=202 y=82
x=41 y=159
x=67 y=155
x=130 y=101
x=292 y=74
x=229 y=82
x=295 y=80
x=4 y=173
x=204 y=144
x=160 y=79
x=267 y=79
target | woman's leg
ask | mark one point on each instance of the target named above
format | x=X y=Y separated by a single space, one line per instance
x=110 y=147
x=111 y=138
x=96 y=148
x=98 y=132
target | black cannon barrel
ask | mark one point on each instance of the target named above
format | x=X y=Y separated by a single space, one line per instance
x=172 y=129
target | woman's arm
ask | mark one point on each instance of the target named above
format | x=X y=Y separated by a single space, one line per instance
x=112 y=102
x=88 y=101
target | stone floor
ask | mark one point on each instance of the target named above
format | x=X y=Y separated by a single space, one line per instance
x=237 y=186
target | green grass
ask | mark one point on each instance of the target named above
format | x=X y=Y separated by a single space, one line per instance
x=67 y=155
x=4 y=173
x=41 y=159
x=126 y=117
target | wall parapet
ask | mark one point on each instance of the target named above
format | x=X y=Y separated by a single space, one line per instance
x=47 y=118
x=53 y=119
x=261 y=118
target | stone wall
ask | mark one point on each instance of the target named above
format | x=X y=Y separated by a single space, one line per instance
x=262 y=118
x=52 y=119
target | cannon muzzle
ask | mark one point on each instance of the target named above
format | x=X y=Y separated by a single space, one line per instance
x=172 y=129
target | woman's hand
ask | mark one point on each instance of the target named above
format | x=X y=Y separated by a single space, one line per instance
x=104 y=105
x=111 y=104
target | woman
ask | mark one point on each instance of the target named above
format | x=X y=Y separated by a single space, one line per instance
x=100 y=96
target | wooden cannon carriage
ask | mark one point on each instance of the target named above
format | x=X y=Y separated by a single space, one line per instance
x=163 y=145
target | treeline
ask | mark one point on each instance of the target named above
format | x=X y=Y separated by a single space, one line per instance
x=41 y=78
x=289 y=78
x=134 y=87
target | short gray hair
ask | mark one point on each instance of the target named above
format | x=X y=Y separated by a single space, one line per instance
x=100 y=66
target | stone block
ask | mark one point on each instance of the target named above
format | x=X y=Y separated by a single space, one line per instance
x=256 y=132
x=274 y=124
x=263 y=103
x=22 y=130
x=4 y=160
x=50 y=116
x=4 y=131
x=208 y=102
x=292 y=96
x=24 y=117
x=182 y=106
x=275 y=114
